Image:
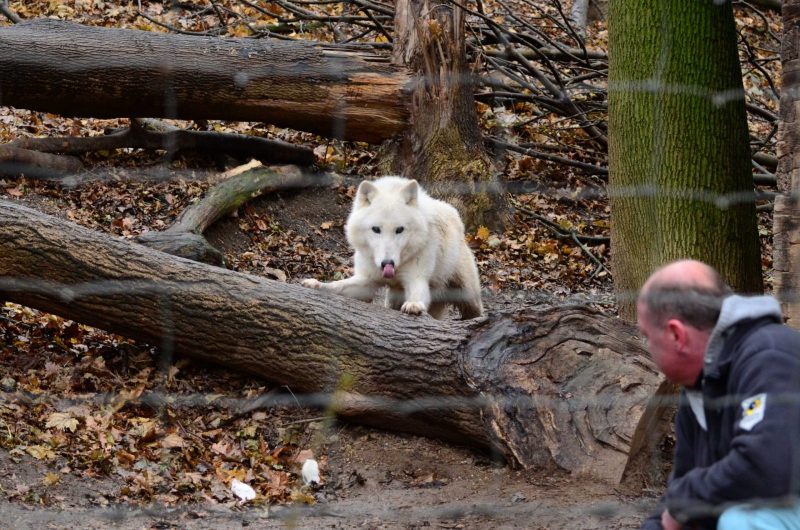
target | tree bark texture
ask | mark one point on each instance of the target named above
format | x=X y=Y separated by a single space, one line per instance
x=786 y=215
x=679 y=161
x=559 y=387
x=74 y=70
x=443 y=147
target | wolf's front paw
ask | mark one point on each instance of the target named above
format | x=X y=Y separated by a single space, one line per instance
x=413 y=308
x=311 y=283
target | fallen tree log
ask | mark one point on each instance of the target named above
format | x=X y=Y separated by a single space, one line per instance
x=33 y=156
x=558 y=387
x=74 y=70
x=173 y=140
x=16 y=160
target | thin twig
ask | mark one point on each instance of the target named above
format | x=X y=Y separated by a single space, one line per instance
x=594 y=170
x=600 y=266
x=307 y=420
x=10 y=15
x=560 y=233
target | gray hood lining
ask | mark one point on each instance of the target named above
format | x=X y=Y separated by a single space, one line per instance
x=737 y=309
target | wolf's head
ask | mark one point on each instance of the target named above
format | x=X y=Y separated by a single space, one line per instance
x=387 y=223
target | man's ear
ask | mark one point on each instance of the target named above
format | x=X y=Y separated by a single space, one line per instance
x=676 y=330
x=366 y=193
x=410 y=193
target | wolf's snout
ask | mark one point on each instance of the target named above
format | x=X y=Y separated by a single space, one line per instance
x=387 y=266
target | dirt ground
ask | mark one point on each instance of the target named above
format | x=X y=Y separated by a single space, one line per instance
x=372 y=479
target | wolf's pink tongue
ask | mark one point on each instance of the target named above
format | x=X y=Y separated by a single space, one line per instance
x=388 y=271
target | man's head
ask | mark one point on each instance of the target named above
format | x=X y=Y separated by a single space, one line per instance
x=677 y=308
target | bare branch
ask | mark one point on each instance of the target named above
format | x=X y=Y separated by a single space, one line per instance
x=10 y=15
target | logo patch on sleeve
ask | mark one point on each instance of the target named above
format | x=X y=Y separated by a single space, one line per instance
x=753 y=409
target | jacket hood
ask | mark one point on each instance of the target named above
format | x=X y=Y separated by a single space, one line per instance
x=737 y=309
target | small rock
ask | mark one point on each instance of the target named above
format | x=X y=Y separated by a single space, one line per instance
x=518 y=497
x=310 y=472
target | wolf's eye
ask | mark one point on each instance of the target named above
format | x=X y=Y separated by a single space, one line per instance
x=376 y=229
x=399 y=230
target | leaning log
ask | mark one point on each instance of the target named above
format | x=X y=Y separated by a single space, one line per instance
x=185 y=237
x=74 y=70
x=556 y=387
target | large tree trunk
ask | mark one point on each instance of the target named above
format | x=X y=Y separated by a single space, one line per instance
x=75 y=70
x=558 y=387
x=443 y=147
x=679 y=160
x=786 y=219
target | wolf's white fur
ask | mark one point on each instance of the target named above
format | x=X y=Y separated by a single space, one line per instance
x=394 y=221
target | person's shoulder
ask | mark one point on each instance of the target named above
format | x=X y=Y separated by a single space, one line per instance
x=777 y=333
x=773 y=339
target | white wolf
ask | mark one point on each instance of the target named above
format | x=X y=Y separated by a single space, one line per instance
x=413 y=244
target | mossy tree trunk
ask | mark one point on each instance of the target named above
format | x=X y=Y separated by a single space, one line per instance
x=680 y=179
x=443 y=147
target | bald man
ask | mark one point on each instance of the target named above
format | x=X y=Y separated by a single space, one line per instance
x=737 y=452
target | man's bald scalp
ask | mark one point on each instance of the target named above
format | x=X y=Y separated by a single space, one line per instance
x=688 y=290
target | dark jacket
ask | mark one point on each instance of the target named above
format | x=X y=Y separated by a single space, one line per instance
x=738 y=433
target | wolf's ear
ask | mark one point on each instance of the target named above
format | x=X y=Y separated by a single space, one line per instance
x=410 y=193
x=366 y=192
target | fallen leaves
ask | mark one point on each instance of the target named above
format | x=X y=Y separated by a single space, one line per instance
x=172 y=441
x=92 y=406
x=40 y=452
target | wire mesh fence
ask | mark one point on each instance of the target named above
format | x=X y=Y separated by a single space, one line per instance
x=164 y=435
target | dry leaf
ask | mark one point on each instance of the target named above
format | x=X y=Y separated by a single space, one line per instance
x=40 y=452
x=50 y=479
x=303 y=455
x=63 y=421
x=15 y=192
x=171 y=441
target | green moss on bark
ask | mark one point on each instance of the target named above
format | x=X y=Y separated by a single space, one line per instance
x=680 y=179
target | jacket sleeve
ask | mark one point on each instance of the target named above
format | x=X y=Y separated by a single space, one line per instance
x=760 y=460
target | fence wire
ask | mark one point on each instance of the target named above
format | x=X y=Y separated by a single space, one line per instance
x=520 y=64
